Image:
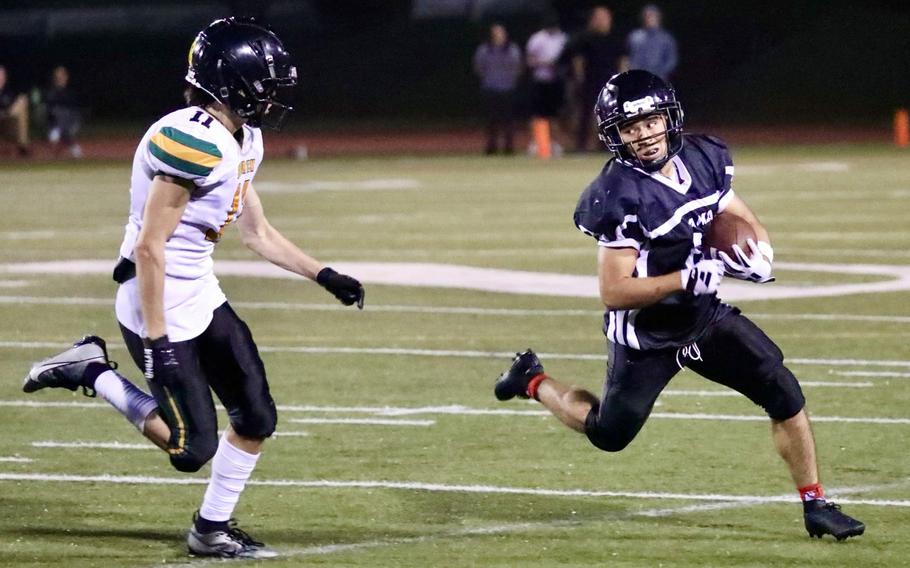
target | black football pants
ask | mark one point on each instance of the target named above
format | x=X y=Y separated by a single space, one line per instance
x=733 y=352
x=225 y=359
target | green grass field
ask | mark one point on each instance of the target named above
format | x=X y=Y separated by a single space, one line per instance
x=446 y=487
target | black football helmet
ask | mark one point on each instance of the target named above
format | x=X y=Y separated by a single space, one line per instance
x=630 y=96
x=242 y=65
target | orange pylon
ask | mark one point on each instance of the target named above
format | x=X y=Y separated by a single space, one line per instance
x=540 y=128
x=901 y=128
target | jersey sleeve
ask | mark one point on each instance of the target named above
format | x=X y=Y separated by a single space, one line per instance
x=180 y=153
x=723 y=165
x=610 y=217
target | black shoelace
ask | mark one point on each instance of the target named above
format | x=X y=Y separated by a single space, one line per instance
x=241 y=536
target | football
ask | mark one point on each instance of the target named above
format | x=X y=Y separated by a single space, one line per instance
x=726 y=230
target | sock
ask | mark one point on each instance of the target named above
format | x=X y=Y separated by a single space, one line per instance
x=812 y=492
x=231 y=467
x=119 y=392
x=534 y=384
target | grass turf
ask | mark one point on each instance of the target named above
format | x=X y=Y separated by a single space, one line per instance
x=824 y=205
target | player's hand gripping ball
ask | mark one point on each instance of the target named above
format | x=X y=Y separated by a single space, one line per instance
x=754 y=267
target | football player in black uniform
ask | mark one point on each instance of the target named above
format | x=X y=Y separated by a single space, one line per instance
x=649 y=210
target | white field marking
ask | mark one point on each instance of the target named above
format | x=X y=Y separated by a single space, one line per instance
x=431 y=487
x=363 y=421
x=93 y=445
x=434 y=275
x=15 y=459
x=52 y=404
x=375 y=184
x=837 y=384
x=812 y=167
x=465 y=411
x=874 y=253
x=734 y=394
x=292 y=434
x=458 y=353
x=454 y=310
x=15 y=283
x=891 y=374
x=833 y=493
x=757 y=418
x=327 y=307
x=833 y=317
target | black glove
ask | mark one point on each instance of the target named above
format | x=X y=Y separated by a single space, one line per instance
x=161 y=363
x=348 y=290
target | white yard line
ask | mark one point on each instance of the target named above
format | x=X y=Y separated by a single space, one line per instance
x=15 y=459
x=467 y=411
x=399 y=351
x=362 y=421
x=93 y=445
x=890 y=374
x=442 y=310
x=757 y=418
x=292 y=434
x=373 y=184
x=432 y=487
x=837 y=384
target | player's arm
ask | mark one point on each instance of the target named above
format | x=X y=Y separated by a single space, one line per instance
x=620 y=290
x=164 y=207
x=265 y=240
x=754 y=264
x=739 y=208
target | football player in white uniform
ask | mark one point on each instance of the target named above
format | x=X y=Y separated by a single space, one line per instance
x=192 y=176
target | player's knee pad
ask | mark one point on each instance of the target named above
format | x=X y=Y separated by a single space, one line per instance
x=194 y=455
x=259 y=422
x=606 y=435
x=782 y=397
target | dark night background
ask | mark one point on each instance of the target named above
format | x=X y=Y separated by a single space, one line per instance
x=369 y=62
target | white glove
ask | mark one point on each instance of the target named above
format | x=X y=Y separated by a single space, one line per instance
x=703 y=278
x=754 y=268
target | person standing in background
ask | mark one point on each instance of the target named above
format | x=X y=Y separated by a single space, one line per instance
x=596 y=55
x=498 y=64
x=547 y=87
x=63 y=113
x=651 y=47
x=13 y=114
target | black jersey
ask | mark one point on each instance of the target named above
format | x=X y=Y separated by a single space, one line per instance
x=665 y=221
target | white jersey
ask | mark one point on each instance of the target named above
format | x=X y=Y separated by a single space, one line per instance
x=545 y=47
x=192 y=145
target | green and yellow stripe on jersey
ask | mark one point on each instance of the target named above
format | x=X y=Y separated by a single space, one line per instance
x=184 y=152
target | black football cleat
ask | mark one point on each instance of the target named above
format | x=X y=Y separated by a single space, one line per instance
x=229 y=543
x=514 y=382
x=824 y=517
x=67 y=369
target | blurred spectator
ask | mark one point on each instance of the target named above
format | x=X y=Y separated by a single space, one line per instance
x=498 y=64
x=64 y=116
x=547 y=87
x=651 y=47
x=596 y=55
x=13 y=114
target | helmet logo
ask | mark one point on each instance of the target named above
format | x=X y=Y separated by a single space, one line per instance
x=189 y=56
x=638 y=106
